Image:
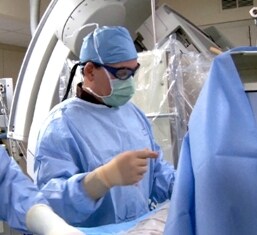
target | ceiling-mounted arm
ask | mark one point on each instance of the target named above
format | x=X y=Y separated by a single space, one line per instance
x=34 y=15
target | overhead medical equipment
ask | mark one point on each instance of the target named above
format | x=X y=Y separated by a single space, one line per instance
x=253 y=13
x=57 y=40
x=167 y=86
x=6 y=95
x=170 y=22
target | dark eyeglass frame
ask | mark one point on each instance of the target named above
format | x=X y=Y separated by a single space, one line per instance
x=115 y=71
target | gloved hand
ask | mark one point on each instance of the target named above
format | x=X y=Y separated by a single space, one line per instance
x=41 y=219
x=126 y=168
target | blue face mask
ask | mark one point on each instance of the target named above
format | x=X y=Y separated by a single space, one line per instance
x=122 y=91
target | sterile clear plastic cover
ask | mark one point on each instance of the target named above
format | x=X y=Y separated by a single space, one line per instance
x=153 y=224
x=167 y=86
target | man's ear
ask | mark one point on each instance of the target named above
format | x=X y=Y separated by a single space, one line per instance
x=89 y=70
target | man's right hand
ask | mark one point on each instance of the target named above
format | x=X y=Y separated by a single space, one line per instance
x=126 y=168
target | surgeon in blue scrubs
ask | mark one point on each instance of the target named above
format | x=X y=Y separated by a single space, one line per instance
x=23 y=207
x=97 y=161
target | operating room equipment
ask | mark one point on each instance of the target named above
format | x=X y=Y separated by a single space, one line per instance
x=253 y=13
x=169 y=100
x=6 y=95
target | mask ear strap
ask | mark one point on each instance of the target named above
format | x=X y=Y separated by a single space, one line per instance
x=72 y=74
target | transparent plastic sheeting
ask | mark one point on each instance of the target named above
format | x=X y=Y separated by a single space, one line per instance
x=167 y=86
x=152 y=223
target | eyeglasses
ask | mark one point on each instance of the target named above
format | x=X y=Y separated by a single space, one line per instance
x=119 y=73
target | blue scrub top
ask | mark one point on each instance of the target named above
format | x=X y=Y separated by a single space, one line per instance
x=18 y=193
x=78 y=137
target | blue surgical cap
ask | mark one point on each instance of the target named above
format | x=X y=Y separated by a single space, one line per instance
x=108 y=45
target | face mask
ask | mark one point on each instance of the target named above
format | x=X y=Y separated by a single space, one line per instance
x=122 y=91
